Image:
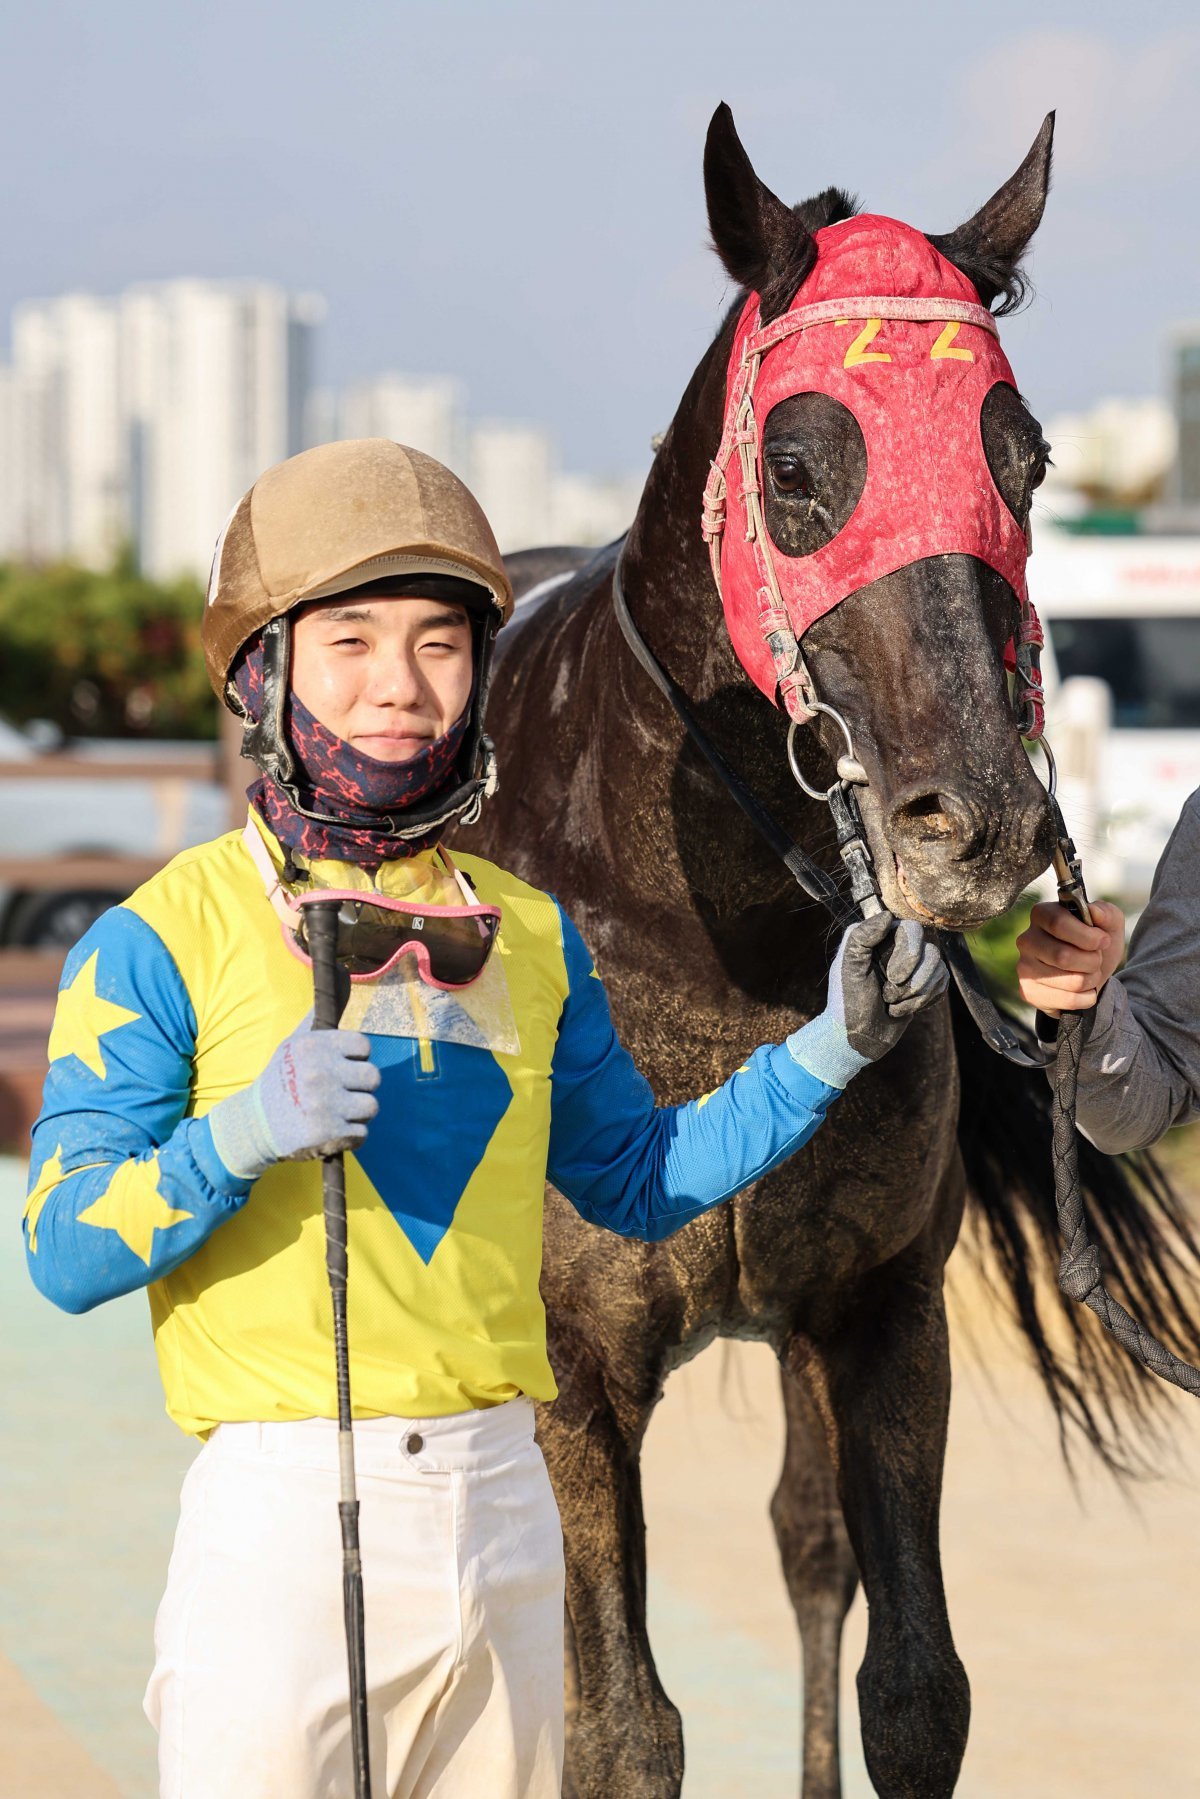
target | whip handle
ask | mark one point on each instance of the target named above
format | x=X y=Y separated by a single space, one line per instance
x=321 y=930
x=321 y=923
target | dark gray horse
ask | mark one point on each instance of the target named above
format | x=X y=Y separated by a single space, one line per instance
x=836 y=1259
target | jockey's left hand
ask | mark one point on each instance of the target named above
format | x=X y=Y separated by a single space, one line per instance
x=884 y=971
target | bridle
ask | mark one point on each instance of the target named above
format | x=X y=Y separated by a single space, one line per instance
x=795 y=689
x=1080 y=1274
x=864 y=899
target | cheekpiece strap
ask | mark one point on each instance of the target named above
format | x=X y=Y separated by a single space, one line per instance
x=1029 y=700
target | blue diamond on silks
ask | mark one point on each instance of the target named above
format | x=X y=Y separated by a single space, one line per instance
x=431 y=1133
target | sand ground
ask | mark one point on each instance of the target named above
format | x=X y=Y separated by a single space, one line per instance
x=1076 y=1616
x=1075 y=1613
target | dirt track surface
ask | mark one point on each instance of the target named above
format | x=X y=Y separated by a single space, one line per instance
x=41 y=1758
x=1076 y=1615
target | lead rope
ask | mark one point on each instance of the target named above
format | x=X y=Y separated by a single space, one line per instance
x=1079 y=1272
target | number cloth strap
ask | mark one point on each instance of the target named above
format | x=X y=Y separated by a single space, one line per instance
x=891 y=329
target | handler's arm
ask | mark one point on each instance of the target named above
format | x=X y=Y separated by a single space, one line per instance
x=645 y=1171
x=1140 y=1071
x=123 y=1187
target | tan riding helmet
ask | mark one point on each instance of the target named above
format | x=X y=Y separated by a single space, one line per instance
x=337 y=517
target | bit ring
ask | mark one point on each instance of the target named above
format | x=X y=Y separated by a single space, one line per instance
x=817 y=793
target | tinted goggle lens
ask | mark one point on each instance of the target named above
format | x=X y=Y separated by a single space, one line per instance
x=451 y=951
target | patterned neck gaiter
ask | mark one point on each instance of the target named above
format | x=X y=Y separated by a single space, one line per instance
x=340 y=781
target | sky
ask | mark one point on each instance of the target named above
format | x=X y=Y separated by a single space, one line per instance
x=512 y=192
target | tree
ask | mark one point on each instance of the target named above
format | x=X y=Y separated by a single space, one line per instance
x=107 y=654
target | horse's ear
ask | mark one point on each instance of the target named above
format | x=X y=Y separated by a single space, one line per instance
x=762 y=243
x=989 y=247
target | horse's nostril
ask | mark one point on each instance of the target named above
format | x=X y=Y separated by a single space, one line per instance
x=938 y=818
x=927 y=816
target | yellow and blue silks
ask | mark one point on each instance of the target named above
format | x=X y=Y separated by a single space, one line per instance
x=179 y=997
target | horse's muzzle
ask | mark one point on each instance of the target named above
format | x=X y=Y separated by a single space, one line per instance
x=957 y=860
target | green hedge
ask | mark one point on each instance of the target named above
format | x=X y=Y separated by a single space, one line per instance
x=106 y=655
x=994 y=946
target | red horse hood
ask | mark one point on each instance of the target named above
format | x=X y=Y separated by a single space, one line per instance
x=891 y=329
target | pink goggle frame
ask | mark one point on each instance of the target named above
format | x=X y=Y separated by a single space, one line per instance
x=449 y=944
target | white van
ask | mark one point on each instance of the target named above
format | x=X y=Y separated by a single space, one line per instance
x=1125 y=611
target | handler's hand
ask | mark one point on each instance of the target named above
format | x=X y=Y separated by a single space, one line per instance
x=316 y=1096
x=1062 y=964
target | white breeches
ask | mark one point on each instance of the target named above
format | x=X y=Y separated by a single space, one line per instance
x=463 y=1589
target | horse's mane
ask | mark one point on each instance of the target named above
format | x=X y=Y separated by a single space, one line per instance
x=828 y=207
x=995 y=277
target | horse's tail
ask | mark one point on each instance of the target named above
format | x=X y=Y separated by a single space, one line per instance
x=1148 y=1244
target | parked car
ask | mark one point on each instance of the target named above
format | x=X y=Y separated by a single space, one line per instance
x=150 y=816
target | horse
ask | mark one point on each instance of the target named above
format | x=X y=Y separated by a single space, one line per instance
x=836 y=1258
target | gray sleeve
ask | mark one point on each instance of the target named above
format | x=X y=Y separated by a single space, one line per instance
x=1140 y=1071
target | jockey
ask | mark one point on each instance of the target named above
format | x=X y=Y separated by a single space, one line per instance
x=355 y=597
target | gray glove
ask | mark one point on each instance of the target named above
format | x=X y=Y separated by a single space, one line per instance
x=875 y=986
x=315 y=1096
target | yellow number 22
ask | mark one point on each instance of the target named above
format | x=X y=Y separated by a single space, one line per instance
x=858 y=352
x=942 y=348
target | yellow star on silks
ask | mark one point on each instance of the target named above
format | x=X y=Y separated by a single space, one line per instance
x=132 y=1206
x=47 y=1180
x=82 y=1018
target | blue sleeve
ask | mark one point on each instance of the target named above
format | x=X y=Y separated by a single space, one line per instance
x=123 y=1186
x=644 y=1170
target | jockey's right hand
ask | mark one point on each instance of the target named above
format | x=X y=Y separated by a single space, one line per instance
x=884 y=971
x=1062 y=963
x=316 y=1096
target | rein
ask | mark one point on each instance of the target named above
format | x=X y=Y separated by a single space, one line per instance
x=808 y=874
x=1079 y=1272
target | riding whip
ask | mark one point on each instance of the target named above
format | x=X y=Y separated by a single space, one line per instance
x=328 y=995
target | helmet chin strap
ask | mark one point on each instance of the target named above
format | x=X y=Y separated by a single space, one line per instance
x=264 y=741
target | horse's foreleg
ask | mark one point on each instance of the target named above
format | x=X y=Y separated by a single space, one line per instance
x=883 y=1387
x=821 y=1575
x=624 y=1737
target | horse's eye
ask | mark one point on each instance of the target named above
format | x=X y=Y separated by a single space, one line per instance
x=789 y=474
x=1041 y=462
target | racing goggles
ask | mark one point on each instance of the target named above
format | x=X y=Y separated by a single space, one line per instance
x=450 y=945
